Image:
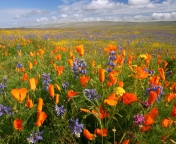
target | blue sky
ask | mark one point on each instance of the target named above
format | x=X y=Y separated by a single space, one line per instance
x=17 y=13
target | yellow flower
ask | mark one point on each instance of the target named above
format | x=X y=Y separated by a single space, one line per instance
x=119 y=91
x=142 y=56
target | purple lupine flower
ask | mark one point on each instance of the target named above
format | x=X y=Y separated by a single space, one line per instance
x=3 y=85
x=149 y=71
x=18 y=47
x=91 y=94
x=19 y=65
x=5 y=110
x=76 y=128
x=59 y=110
x=155 y=89
x=65 y=85
x=169 y=73
x=46 y=80
x=79 y=67
x=138 y=119
x=33 y=138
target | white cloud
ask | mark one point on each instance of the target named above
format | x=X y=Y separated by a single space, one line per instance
x=63 y=15
x=43 y=19
x=138 y=2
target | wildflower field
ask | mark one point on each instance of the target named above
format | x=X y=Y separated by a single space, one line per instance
x=88 y=86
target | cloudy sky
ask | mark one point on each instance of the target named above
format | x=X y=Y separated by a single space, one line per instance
x=16 y=13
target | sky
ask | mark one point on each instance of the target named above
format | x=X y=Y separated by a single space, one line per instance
x=23 y=13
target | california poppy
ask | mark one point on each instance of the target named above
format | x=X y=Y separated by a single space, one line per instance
x=40 y=104
x=126 y=141
x=29 y=103
x=149 y=120
x=51 y=90
x=170 y=96
x=101 y=114
x=152 y=97
x=141 y=73
x=30 y=65
x=92 y=63
x=41 y=116
x=84 y=110
x=129 y=98
x=80 y=50
x=102 y=132
x=111 y=100
x=56 y=99
x=70 y=62
x=102 y=75
x=123 y=52
x=161 y=72
x=57 y=87
x=88 y=135
x=71 y=94
x=84 y=80
x=17 y=123
x=41 y=52
x=25 y=76
x=166 y=122
x=173 y=112
x=19 y=94
x=145 y=128
x=120 y=84
x=33 y=83
x=59 y=70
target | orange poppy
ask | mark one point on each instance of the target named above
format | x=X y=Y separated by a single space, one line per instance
x=57 y=86
x=102 y=75
x=41 y=52
x=166 y=83
x=56 y=99
x=129 y=98
x=149 y=120
x=126 y=141
x=141 y=73
x=173 y=112
x=71 y=94
x=31 y=54
x=25 y=76
x=33 y=83
x=102 y=132
x=70 y=62
x=41 y=116
x=170 y=96
x=59 y=70
x=161 y=72
x=30 y=65
x=123 y=53
x=166 y=122
x=58 y=57
x=19 y=94
x=155 y=80
x=165 y=64
x=17 y=123
x=101 y=114
x=111 y=100
x=152 y=97
x=29 y=103
x=154 y=112
x=35 y=62
x=80 y=50
x=130 y=58
x=39 y=105
x=92 y=63
x=88 y=135
x=51 y=90
x=145 y=128
x=84 y=110
x=120 y=84
x=84 y=80
x=173 y=85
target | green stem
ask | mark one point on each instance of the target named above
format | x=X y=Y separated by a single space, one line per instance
x=122 y=138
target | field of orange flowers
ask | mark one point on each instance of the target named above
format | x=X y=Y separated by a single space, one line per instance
x=94 y=86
